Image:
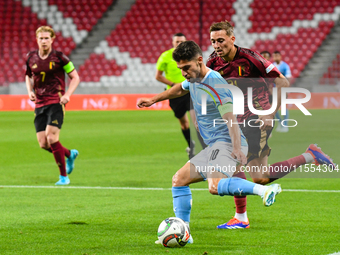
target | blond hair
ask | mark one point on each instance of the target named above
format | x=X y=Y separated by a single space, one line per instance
x=223 y=25
x=45 y=29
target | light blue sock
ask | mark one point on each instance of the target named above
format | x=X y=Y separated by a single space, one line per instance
x=235 y=186
x=277 y=116
x=182 y=202
x=286 y=117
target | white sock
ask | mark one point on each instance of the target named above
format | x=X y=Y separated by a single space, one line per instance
x=259 y=189
x=309 y=158
x=241 y=216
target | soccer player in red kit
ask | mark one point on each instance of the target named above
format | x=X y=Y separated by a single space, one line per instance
x=45 y=82
x=245 y=68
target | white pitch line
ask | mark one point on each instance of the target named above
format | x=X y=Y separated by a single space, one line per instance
x=139 y=188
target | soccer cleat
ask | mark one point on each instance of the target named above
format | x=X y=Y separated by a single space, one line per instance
x=70 y=161
x=63 y=180
x=320 y=158
x=191 y=240
x=282 y=129
x=269 y=194
x=234 y=224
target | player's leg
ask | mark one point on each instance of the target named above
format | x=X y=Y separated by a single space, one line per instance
x=40 y=121
x=41 y=137
x=55 y=120
x=181 y=192
x=313 y=155
x=223 y=166
x=285 y=129
x=236 y=187
x=52 y=134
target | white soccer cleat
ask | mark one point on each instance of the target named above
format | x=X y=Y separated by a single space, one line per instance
x=269 y=194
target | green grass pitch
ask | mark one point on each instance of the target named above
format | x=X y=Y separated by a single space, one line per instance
x=144 y=149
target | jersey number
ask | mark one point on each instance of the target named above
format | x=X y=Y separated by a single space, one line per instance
x=214 y=154
x=43 y=76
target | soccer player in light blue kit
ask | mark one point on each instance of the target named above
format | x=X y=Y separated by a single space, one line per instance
x=285 y=70
x=227 y=145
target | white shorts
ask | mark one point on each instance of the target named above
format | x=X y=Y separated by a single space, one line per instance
x=216 y=158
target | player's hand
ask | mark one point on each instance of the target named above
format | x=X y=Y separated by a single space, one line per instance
x=267 y=121
x=64 y=99
x=196 y=126
x=31 y=95
x=239 y=155
x=144 y=102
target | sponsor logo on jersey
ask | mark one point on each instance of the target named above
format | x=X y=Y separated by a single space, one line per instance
x=52 y=64
x=34 y=66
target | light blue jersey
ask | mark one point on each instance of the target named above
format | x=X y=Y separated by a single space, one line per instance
x=284 y=69
x=217 y=99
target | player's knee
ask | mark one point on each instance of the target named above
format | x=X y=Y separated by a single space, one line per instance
x=51 y=138
x=178 y=180
x=262 y=181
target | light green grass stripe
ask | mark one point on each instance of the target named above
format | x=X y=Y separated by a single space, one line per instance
x=137 y=188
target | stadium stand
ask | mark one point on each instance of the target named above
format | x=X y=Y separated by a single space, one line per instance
x=17 y=33
x=284 y=13
x=297 y=49
x=128 y=55
x=85 y=13
x=332 y=76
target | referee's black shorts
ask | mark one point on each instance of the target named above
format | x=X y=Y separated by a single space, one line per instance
x=257 y=139
x=52 y=115
x=180 y=105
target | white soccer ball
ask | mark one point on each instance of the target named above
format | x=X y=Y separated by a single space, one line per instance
x=173 y=233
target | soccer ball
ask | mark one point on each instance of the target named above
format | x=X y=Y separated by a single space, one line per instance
x=173 y=233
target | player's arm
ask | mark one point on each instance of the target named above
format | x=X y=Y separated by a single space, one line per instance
x=235 y=135
x=174 y=92
x=74 y=77
x=159 y=77
x=29 y=86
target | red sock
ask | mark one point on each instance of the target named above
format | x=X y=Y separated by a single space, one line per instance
x=280 y=169
x=66 y=152
x=241 y=201
x=59 y=156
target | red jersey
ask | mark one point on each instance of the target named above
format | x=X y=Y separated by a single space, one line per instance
x=48 y=76
x=247 y=69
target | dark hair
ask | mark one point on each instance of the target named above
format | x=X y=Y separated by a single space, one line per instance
x=265 y=52
x=178 y=34
x=276 y=52
x=187 y=50
x=223 y=25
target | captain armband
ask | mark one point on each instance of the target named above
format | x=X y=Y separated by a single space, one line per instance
x=69 y=67
x=225 y=108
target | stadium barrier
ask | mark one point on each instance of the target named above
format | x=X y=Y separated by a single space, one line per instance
x=129 y=102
